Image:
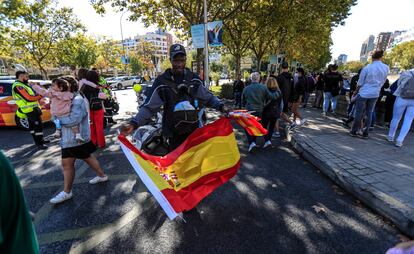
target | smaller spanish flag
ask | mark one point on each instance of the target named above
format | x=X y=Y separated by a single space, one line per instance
x=249 y=122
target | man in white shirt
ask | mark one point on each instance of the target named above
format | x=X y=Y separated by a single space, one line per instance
x=370 y=81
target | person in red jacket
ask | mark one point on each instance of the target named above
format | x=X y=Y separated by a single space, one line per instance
x=96 y=109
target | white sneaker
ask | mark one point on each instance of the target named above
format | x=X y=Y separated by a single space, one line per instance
x=276 y=134
x=62 y=196
x=252 y=145
x=398 y=144
x=323 y=113
x=98 y=179
x=267 y=144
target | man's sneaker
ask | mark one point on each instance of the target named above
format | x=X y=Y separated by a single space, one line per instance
x=61 y=197
x=252 y=146
x=267 y=144
x=98 y=179
x=323 y=113
x=364 y=135
x=276 y=134
x=398 y=144
x=79 y=138
x=390 y=139
x=353 y=134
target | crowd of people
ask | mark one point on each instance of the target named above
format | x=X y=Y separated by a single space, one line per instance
x=366 y=91
x=77 y=105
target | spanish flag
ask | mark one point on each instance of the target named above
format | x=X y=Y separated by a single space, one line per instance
x=249 y=122
x=181 y=179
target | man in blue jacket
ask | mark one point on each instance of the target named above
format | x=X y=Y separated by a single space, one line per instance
x=182 y=94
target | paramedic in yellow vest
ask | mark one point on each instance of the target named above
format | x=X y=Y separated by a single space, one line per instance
x=28 y=107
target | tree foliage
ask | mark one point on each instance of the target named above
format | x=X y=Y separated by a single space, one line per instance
x=402 y=56
x=352 y=66
x=79 y=50
x=41 y=28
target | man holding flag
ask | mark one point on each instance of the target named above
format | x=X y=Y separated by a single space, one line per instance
x=182 y=94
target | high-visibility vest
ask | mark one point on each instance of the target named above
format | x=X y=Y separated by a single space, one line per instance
x=24 y=106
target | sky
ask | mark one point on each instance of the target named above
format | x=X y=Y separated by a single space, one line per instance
x=367 y=17
x=371 y=17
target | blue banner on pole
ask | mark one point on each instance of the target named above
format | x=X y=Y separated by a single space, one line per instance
x=197 y=34
x=215 y=33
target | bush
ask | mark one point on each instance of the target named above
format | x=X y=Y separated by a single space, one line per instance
x=227 y=91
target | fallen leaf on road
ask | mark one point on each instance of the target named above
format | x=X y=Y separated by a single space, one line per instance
x=319 y=209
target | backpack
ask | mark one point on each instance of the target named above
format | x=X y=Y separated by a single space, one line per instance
x=181 y=114
x=273 y=108
x=406 y=87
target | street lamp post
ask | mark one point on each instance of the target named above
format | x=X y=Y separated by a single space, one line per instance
x=206 y=78
x=122 y=40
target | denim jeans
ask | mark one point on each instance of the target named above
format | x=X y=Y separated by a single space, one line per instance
x=402 y=105
x=327 y=97
x=363 y=106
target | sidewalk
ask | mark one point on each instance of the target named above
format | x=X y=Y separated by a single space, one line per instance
x=374 y=170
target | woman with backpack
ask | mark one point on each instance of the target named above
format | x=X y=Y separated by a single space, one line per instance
x=403 y=103
x=96 y=109
x=271 y=111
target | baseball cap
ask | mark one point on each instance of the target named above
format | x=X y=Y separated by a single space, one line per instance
x=176 y=49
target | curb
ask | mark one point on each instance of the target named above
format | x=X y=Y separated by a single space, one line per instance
x=388 y=206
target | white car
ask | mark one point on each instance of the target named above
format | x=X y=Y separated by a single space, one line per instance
x=122 y=82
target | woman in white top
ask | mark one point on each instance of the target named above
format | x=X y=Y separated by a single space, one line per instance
x=401 y=105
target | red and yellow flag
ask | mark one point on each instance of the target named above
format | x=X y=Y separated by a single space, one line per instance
x=249 y=122
x=182 y=178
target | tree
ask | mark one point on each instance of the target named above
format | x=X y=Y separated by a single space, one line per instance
x=42 y=27
x=109 y=53
x=176 y=14
x=146 y=53
x=11 y=12
x=78 y=50
x=135 y=64
x=402 y=55
x=352 y=66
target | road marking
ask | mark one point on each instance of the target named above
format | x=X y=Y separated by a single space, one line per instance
x=47 y=207
x=78 y=181
x=105 y=233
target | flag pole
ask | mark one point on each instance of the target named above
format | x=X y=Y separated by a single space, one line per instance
x=206 y=78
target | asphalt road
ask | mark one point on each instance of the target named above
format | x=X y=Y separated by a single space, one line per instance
x=277 y=203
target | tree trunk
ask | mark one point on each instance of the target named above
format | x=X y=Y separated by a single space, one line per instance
x=199 y=60
x=238 y=64
x=259 y=63
x=43 y=72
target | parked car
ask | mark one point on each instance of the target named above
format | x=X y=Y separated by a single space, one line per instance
x=8 y=106
x=122 y=82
